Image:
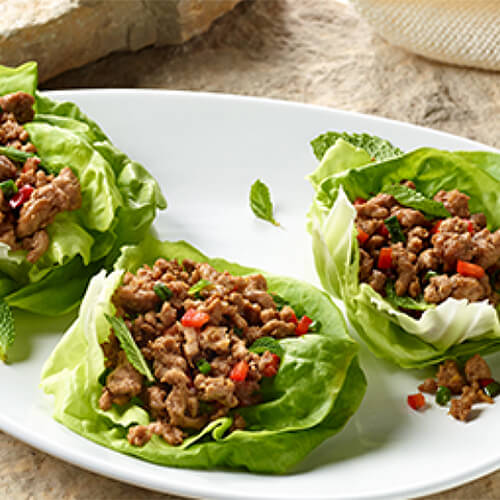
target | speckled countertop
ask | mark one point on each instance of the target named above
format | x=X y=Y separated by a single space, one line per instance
x=313 y=51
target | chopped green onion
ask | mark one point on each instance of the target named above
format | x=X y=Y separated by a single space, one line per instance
x=492 y=390
x=15 y=154
x=8 y=187
x=443 y=395
x=198 y=287
x=162 y=291
x=394 y=228
x=204 y=366
x=429 y=275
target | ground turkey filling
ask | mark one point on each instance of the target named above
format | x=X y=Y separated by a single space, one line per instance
x=460 y=251
x=197 y=345
x=29 y=197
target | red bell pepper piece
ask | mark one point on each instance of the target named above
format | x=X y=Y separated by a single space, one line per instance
x=239 y=371
x=383 y=231
x=21 y=197
x=470 y=227
x=435 y=228
x=483 y=382
x=359 y=201
x=303 y=325
x=271 y=369
x=194 y=318
x=362 y=236
x=469 y=269
x=416 y=401
x=385 y=258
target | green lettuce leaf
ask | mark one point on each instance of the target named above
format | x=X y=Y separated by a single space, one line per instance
x=454 y=328
x=290 y=422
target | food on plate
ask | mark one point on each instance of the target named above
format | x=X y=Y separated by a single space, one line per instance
x=261 y=203
x=196 y=362
x=410 y=243
x=68 y=200
x=473 y=383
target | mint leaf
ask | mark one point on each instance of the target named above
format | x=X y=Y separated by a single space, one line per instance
x=264 y=344
x=198 y=287
x=378 y=148
x=7 y=329
x=412 y=198
x=134 y=355
x=394 y=228
x=162 y=291
x=405 y=302
x=260 y=202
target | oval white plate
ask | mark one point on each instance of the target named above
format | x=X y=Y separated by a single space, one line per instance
x=206 y=150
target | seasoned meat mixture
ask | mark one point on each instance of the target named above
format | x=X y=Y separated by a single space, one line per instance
x=30 y=198
x=194 y=327
x=473 y=385
x=427 y=258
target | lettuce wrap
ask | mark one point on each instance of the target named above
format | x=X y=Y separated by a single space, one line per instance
x=119 y=203
x=318 y=387
x=347 y=170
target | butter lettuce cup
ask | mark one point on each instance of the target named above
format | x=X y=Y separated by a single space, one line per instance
x=409 y=243
x=188 y=361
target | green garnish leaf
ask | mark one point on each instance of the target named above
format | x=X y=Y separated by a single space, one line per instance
x=7 y=329
x=314 y=327
x=264 y=344
x=443 y=395
x=260 y=202
x=429 y=275
x=198 y=287
x=377 y=148
x=404 y=302
x=8 y=187
x=203 y=366
x=162 y=291
x=492 y=390
x=412 y=198
x=127 y=343
x=279 y=301
x=394 y=228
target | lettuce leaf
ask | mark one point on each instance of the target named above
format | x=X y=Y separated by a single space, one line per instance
x=280 y=431
x=454 y=328
x=120 y=199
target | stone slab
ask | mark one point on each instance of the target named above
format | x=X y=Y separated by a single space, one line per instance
x=313 y=51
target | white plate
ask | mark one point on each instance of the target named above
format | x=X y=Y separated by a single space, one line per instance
x=206 y=150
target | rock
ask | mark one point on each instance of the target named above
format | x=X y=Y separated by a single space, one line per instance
x=65 y=34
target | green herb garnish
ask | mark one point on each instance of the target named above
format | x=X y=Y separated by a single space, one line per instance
x=8 y=187
x=203 y=366
x=162 y=291
x=377 y=148
x=404 y=302
x=7 y=329
x=198 y=287
x=315 y=326
x=443 y=395
x=413 y=199
x=260 y=202
x=279 y=301
x=264 y=344
x=394 y=228
x=429 y=275
x=127 y=343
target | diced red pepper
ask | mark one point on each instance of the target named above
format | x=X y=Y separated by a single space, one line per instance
x=416 y=401
x=383 y=231
x=362 y=236
x=435 y=228
x=469 y=269
x=470 y=227
x=483 y=382
x=293 y=318
x=359 y=201
x=239 y=371
x=385 y=258
x=303 y=325
x=21 y=197
x=271 y=369
x=194 y=318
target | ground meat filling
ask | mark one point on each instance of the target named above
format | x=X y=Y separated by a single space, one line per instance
x=202 y=371
x=427 y=265
x=30 y=198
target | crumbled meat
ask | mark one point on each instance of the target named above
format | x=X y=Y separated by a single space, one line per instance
x=429 y=385
x=428 y=260
x=455 y=202
x=365 y=265
x=62 y=194
x=36 y=245
x=476 y=368
x=438 y=289
x=487 y=248
x=20 y=104
x=377 y=281
x=404 y=262
x=193 y=367
x=479 y=221
x=449 y=376
x=408 y=217
x=7 y=168
x=452 y=247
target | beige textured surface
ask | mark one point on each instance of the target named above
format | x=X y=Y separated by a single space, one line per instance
x=65 y=34
x=314 y=51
